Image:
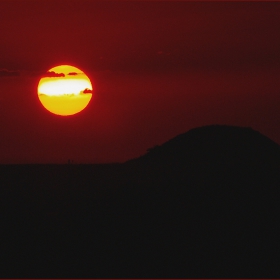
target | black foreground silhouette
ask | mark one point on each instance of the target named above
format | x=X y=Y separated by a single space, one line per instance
x=204 y=204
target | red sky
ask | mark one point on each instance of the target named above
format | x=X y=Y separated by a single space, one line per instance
x=158 y=70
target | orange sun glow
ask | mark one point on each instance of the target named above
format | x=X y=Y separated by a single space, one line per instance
x=65 y=90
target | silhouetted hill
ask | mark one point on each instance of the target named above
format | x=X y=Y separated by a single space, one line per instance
x=215 y=144
x=203 y=205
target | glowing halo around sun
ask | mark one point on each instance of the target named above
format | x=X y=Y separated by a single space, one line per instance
x=65 y=90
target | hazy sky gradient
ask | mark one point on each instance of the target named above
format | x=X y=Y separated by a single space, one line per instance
x=158 y=69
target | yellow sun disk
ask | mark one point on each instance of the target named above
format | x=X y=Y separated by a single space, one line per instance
x=51 y=86
x=65 y=105
x=66 y=91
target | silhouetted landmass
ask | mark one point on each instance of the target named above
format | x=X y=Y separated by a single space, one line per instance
x=203 y=205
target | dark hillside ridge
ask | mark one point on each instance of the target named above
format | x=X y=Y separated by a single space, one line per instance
x=205 y=204
x=215 y=144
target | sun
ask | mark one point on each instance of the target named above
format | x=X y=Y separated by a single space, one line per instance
x=65 y=90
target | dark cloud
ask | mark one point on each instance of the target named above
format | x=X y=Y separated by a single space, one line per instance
x=52 y=74
x=72 y=74
x=8 y=73
x=87 y=90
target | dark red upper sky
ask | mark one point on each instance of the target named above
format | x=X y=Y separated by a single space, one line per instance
x=158 y=69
